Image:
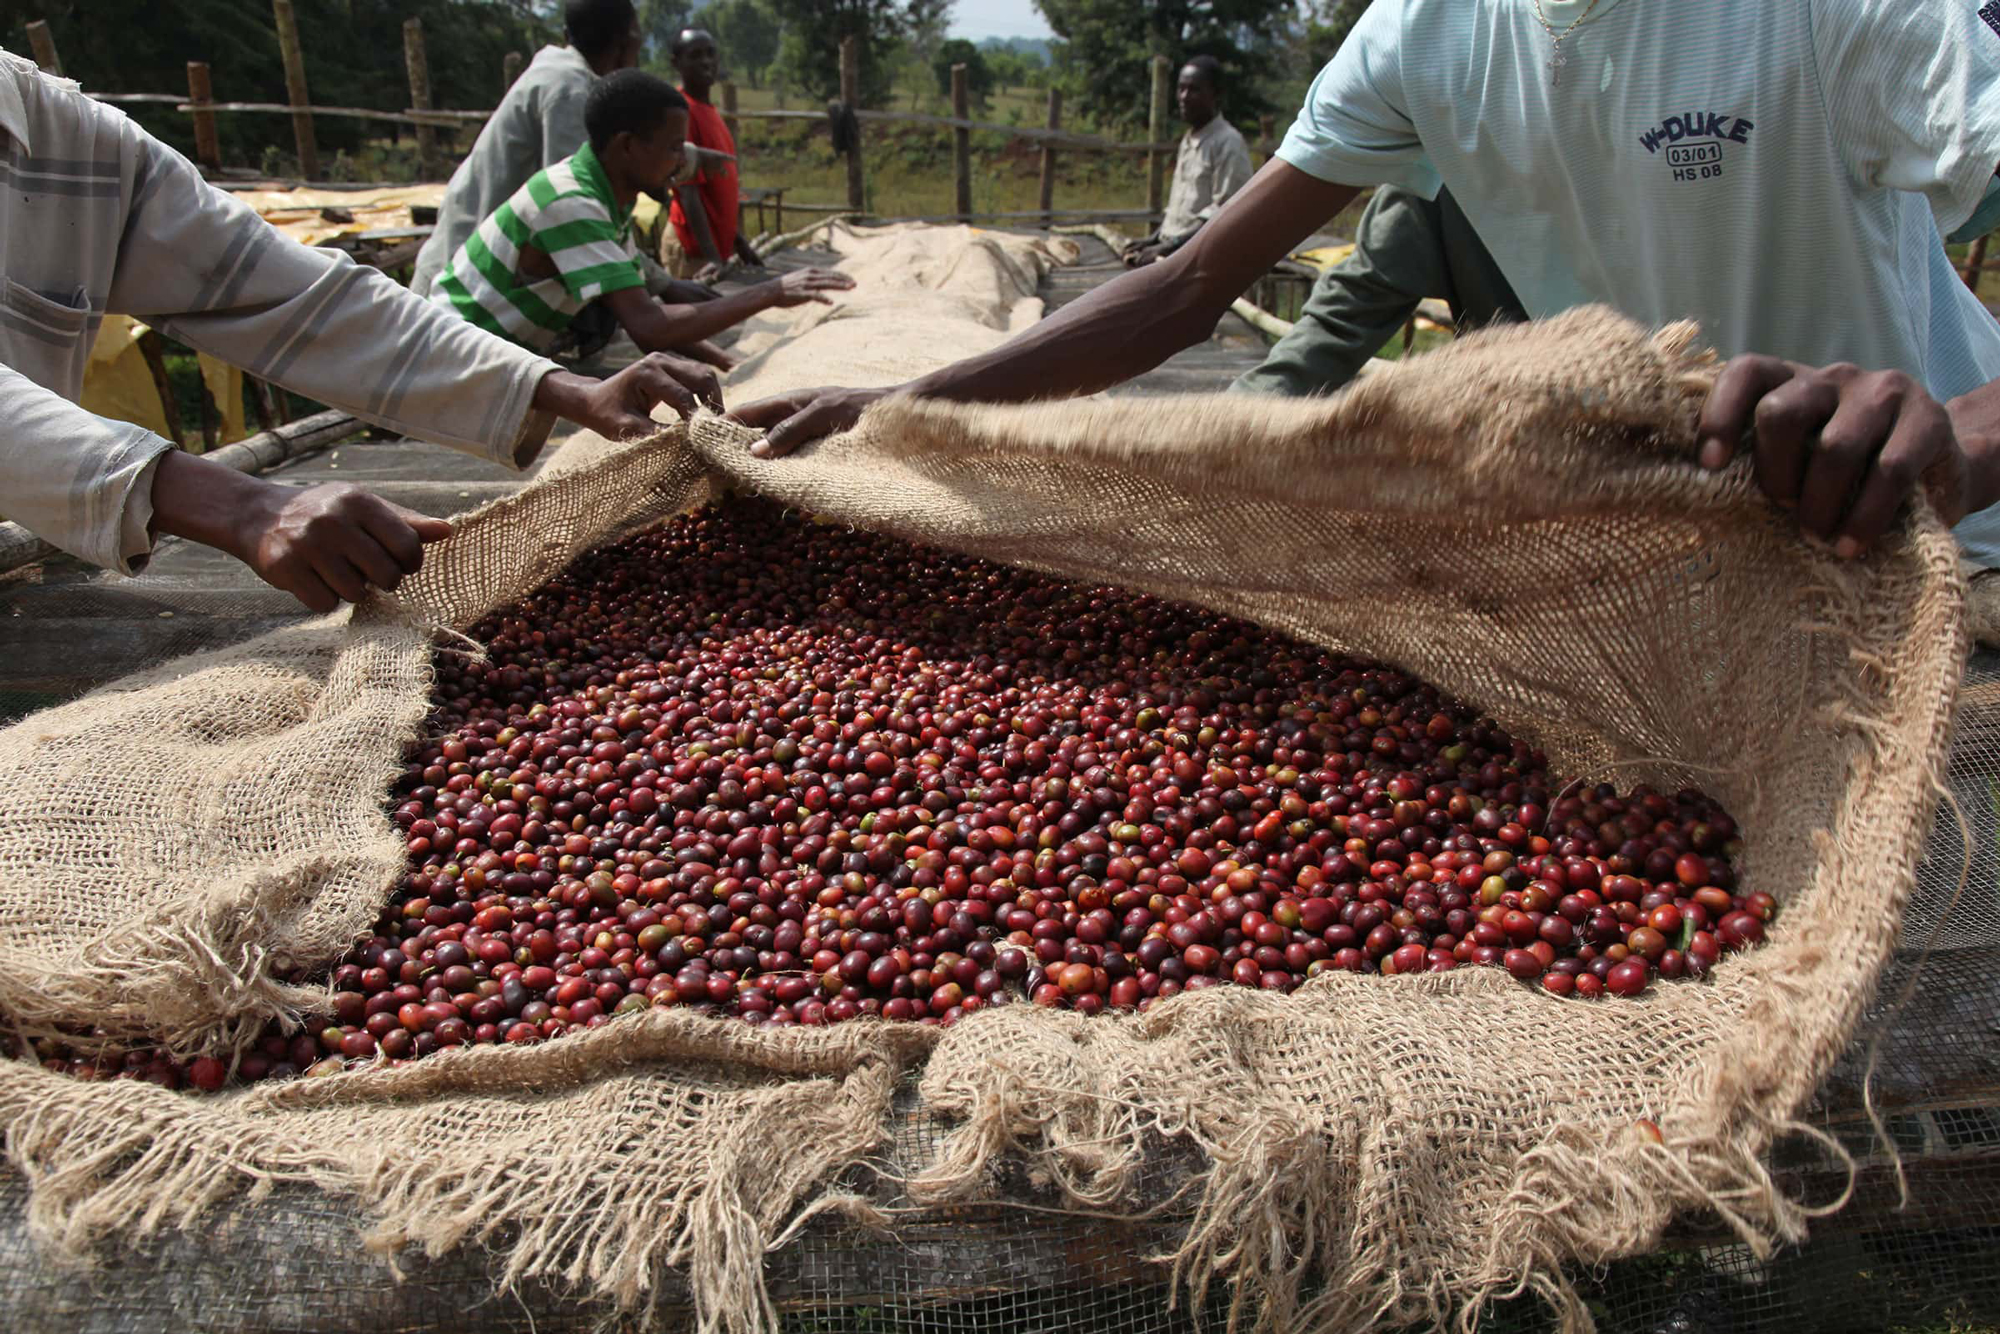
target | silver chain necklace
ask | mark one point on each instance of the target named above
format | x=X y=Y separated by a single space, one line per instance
x=1557 y=57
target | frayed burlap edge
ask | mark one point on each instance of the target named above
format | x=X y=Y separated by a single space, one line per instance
x=1283 y=1205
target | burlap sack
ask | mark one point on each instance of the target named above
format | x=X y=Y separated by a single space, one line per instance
x=1513 y=519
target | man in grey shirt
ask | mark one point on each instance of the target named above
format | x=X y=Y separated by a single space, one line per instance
x=1213 y=163
x=538 y=124
x=98 y=217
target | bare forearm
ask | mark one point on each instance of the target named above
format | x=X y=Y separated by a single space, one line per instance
x=697 y=219
x=208 y=503
x=1138 y=320
x=668 y=328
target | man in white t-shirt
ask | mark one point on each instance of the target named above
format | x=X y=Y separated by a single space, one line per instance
x=1780 y=171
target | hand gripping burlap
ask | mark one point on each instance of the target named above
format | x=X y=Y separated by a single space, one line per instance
x=1515 y=519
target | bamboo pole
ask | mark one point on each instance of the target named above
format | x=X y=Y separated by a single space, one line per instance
x=44 y=43
x=419 y=65
x=850 y=96
x=1156 y=126
x=1048 y=196
x=510 y=70
x=295 y=88
x=207 y=147
x=961 y=147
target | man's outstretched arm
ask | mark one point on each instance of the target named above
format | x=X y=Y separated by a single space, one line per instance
x=1123 y=329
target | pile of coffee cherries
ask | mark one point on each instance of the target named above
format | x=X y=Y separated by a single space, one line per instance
x=797 y=774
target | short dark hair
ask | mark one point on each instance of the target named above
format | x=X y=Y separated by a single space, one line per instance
x=686 y=37
x=596 y=26
x=630 y=100
x=1209 y=67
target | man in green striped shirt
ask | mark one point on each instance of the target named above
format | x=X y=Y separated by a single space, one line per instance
x=565 y=238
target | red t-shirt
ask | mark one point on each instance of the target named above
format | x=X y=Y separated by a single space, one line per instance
x=718 y=188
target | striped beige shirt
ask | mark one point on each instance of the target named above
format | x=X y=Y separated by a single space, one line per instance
x=96 y=216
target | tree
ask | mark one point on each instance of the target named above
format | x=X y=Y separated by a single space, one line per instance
x=746 y=32
x=1328 y=25
x=809 y=57
x=978 y=77
x=925 y=24
x=660 y=22
x=1107 y=46
x=1009 y=70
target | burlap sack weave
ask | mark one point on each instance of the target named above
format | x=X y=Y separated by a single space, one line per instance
x=1513 y=519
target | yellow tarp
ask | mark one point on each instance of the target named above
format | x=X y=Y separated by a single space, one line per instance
x=1324 y=257
x=118 y=384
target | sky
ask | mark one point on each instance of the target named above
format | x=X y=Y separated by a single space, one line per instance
x=977 y=19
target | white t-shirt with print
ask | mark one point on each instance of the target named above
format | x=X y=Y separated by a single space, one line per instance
x=1781 y=171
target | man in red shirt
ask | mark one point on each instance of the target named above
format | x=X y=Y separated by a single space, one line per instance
x=704 y=209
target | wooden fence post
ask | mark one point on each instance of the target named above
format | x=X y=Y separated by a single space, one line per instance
x=44 y=43
x=1975 y=263
x=1267 y=128
x=961 y=146
x=1049 y=160
x=295 y=88
x=850 y=96
x=420 y=96
x=510 y=70
x=729 y=114
x=1156 y=129
x=207 y=148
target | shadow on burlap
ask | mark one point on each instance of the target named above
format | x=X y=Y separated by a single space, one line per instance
x=1514 y=519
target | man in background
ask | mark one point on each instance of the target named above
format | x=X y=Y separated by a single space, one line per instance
x=1407 y=248
x=538 y=124
x=704 y=209
x=562 y=245
x=1213 y=163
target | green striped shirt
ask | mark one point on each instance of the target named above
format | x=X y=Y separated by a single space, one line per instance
x=566 y=212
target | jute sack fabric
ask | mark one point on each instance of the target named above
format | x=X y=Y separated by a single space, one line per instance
x=1514 y=518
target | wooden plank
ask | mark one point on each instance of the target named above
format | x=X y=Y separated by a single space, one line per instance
x=1048 y=181
x=207 y=147
x=43 y=43
x=850 y=97
x=1156 y=125
x=418 y=63
x=961 y=148
x=295 y=88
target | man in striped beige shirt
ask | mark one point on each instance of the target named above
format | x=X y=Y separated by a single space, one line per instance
x=96 y=216
x=564 y=240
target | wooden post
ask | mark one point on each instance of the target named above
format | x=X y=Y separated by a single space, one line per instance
x=207 y=148
x=153 y=348
x=420 y=96
x=1048 y=200
x=1156 y=131
x=1267 y=127
x=850 y=96
x=961 y=146
x=295 y=88
x=510 y=70
x=44 y=43
x=1975 y=261
x=729 y=115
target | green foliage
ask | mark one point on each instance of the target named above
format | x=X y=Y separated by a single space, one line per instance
x=353 y=52
x=1108 y=45
x=1009 y=69
x=746 y=33
x=1328 y=26
x=809 y=56
x=660 y=21
x=978 y=77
